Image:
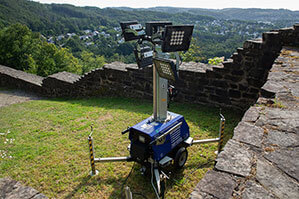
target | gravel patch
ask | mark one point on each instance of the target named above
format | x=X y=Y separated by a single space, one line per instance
x=8 y=97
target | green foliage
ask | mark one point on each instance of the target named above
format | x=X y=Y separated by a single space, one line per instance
x=52 y=60
x=90 y=61
x=193 y=54
x=75 y=45
x=17 y=44
x=216 y=60
x=23 y=50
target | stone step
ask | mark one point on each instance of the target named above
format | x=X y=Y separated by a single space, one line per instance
x=253 y=44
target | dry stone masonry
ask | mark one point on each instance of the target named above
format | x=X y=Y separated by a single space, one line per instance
x=14 y=190
x=236 y=83
x=261 y=160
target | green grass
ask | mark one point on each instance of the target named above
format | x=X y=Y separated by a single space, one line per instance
x=47 y=142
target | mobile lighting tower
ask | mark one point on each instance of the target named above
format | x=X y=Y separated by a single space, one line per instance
x=164 y=137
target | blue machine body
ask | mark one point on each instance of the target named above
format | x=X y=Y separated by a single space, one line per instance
x=151 y=130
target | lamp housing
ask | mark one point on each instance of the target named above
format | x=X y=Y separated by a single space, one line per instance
x=165 y=68
x=177 y=38
x=132 y=30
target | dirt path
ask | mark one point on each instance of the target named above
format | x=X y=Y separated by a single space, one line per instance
x=8 y=97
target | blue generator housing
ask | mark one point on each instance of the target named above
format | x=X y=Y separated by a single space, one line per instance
x=155 y=139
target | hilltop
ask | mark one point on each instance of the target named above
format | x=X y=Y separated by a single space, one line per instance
x=250 y=14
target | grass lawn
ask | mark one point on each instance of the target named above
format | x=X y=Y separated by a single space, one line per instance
x=43 y=144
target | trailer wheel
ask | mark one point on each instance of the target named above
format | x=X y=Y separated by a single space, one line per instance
x=180 y=158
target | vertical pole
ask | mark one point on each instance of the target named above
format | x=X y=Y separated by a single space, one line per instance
x=221 y=133
x=155 y=92
x=128 y=193
x=91 y=151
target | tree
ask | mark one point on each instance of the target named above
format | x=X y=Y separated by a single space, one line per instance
x=51 y=59
x=17 y=43
x=23 y=50
x=193 y=54
x=90 y=61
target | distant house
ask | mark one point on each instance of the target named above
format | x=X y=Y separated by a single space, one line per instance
x=121 y=41
x=118 y=29
x=106 y=35
x=60 y=37
x=89 y=43
x=51 y=40
x=70 y=34
x=84 y=37
x=87 y=31
x=43 y=37
x=95 y=33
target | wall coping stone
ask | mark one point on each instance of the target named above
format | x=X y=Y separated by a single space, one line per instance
x=28 y=77
x=65 y=76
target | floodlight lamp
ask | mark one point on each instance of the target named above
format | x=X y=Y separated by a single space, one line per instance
x=177 y=38
x=155 y=30
x=132 y=30
x=144 y=55
x=166 y=68
x=156 y=27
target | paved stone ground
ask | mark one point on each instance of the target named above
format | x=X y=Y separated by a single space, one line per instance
x=11 y=189
x=262 y=159
x=8 y=97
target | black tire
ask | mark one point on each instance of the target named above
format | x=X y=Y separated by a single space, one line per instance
x=180 y=158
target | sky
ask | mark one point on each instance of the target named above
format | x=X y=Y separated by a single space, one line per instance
x=214 y=4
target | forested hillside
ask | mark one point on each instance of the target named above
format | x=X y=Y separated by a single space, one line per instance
x=91 y=36
x=249 y=14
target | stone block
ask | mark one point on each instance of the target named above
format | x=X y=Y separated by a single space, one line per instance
x=221 y=92
x=235 y=158
x=252 y=114
x=234 y=93
x=249 y=134
x=256 y=191
x=275 y=181
x=233 y=86
x=287 y=160
x=229 y=65
x=243 y=87
x=255 y=82
x=253 y=96
x=282 y=139
x=213 y=75
x=14 y=190
x=254 y=90
x=214 y=185
x=233 y=78
x=202 y=81
x=238 y=72
x=279 y=119
x=252 y=44
x=271 y=39
x=219 y=99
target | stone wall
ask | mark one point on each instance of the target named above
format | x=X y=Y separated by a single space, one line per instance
x=261 y=160
x=60 y=84
x=12 y=78
x=236 y=83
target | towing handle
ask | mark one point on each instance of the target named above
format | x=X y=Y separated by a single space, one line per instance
x=125 y=131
